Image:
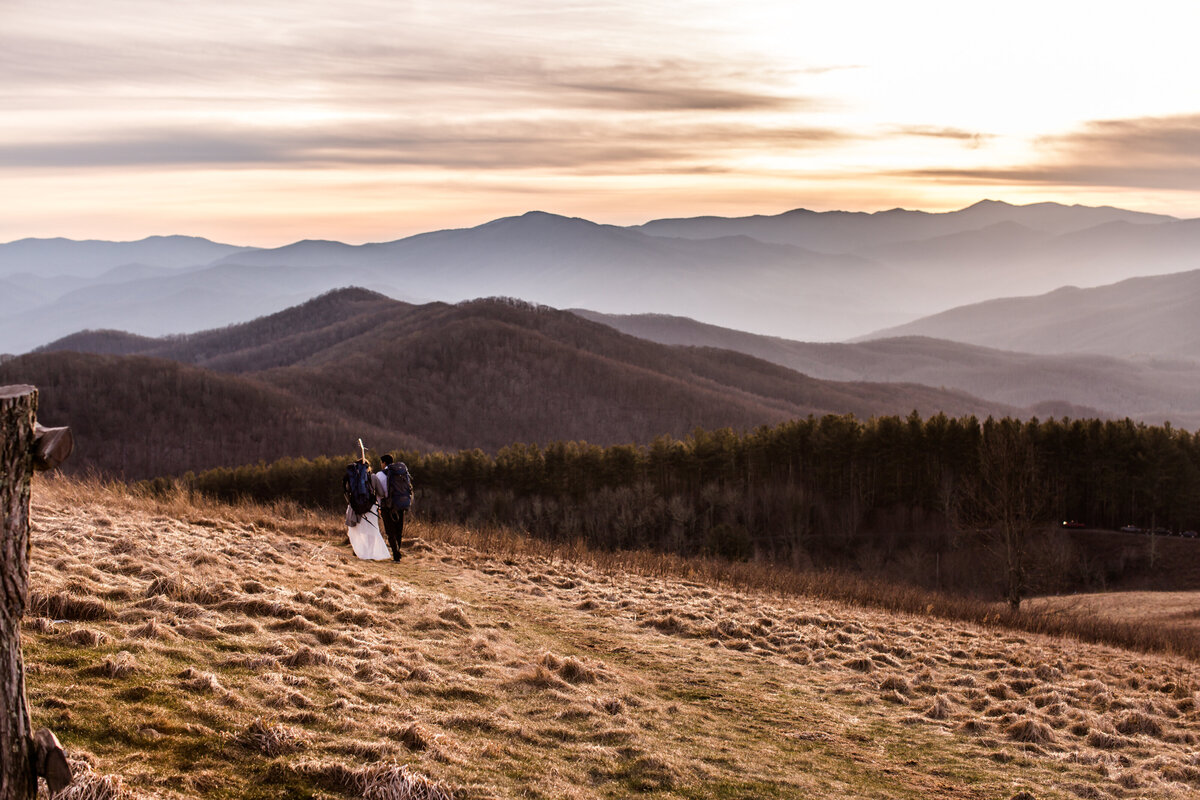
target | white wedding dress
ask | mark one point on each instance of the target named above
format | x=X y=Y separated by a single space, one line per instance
x=365 y=538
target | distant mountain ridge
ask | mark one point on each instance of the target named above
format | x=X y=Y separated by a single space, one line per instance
x=90 y=258
x=801 y=275
x=477 y=374
x=847 y=231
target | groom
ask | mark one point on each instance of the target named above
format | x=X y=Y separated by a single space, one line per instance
x=390 y=515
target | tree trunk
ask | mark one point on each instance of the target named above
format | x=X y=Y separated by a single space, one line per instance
x=18 y=406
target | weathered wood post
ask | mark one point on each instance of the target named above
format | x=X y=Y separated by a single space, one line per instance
x=24 y=446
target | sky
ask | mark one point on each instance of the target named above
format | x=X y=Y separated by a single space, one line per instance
x=263 y=122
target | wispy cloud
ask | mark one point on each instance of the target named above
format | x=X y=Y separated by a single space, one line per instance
x=970 y=138
x=1148 y=152
x=501 y=144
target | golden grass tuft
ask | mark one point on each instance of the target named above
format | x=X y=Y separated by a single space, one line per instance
x=272 y=738
x=539 y=676
x=87 y=637
x=414 y=737
x=1136 y=723
x=1030 y=731
x=940 y=709
x=455 y=615
x=1106 y=741
x=152 y=629
x=64 y=605
x=572 y=670
x=87 y=784
x=375 y=782
x=119 y=665
x=610 y=705
x=195 y=680
x=306 y=656
x=198 y=630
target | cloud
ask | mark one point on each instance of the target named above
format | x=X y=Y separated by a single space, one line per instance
x=385 y=61
x=573 y=144
x=1144 y=153
x=971 y=138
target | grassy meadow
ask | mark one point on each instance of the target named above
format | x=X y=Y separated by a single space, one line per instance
x=184 y=649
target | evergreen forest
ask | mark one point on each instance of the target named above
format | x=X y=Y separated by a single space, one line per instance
x=928 y=500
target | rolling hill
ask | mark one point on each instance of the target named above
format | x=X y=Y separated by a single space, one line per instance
x=479 y=374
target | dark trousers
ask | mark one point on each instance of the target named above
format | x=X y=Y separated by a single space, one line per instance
x=393 y=526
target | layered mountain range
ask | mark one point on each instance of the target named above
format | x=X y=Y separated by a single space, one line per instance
x=128 y=344
x=314 y=378
x=800 y=275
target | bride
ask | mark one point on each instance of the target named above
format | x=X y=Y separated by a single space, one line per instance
x=365 y=538
x=363 y=529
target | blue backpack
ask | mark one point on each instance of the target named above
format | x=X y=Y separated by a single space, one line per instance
x=399 y=485
x=357 y=486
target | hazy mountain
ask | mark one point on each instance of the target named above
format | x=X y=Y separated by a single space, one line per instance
x=847 y=232
x=1153 y=391
x=802 y=275
x=176 y=302
x=1008 y=257
x=477 y=374
x=15 y=297
x=538 y=257
x=1153 y=316
x=85 y=259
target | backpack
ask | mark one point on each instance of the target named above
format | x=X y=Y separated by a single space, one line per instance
x=399 y=485
x=357 y=486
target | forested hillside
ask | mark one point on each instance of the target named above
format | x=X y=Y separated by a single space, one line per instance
x=137 y=416
x=481 y=374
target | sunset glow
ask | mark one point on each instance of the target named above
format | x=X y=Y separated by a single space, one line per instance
x=265 y=122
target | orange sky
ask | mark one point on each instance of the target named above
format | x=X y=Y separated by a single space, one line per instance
x=267 y=121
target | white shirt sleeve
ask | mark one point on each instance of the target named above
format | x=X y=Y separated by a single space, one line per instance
x=379 y=480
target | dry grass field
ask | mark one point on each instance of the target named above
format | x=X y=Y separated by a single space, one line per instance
x=1176 y=609
x=197 y=650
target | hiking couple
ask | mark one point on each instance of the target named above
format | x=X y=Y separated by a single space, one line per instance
x=392 y=487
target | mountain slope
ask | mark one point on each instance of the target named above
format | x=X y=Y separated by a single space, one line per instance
x=480 y=374
x=1155 y=316
x=141 y=417
x=1151 y=390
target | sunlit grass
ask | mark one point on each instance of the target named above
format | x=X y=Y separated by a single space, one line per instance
x=214 y=651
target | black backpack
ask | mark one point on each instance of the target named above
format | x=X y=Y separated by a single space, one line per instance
x=399 y=485
x=357 y=486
